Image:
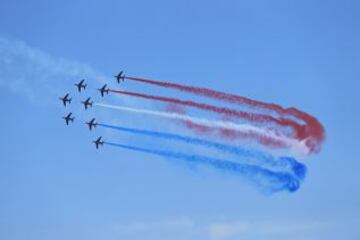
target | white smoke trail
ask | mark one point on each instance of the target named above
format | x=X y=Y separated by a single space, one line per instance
x=296 y=147
x=38 y=75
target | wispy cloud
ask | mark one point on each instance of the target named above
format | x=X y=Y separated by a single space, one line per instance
x=233 y=230
x=172 y=225
x=225 y=230
x=184 y=227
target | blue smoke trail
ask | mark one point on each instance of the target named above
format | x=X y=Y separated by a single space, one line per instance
x=268 y=180
x=297 y=168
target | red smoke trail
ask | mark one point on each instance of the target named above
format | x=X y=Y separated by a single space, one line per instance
x=260 y=118
x=313 y=127
x=212 y=94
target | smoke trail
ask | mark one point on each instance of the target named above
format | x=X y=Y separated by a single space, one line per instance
x=265 y=179
x=226 y=133
x=313 y=127
x=233 y=135
x=28 y=71
x=232 y=98
x=295 y=146
x=262 y=158
x=253 y=117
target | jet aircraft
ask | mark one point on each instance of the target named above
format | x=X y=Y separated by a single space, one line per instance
x=81 y=85
x=98 y=142
x=68 y=118
x=87 y=103
x=92 y=124
x=65 y=99
x=120 y=76
x=103 y=90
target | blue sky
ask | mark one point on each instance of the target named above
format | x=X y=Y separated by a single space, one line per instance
x=55 y=185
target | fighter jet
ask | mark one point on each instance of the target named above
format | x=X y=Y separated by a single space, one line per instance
x=92 y=124
x=68 y=118
x=65 y=99
x=81 y=85
x=120 y=76
x=98 y=142
x=87 y=103
x=103 y=90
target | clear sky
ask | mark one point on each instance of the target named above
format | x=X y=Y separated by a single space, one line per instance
x=55 y=185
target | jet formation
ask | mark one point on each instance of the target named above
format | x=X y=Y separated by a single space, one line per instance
x=81 y=86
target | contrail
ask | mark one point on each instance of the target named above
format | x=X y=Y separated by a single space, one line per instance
x=258 y=157
x=267 y=180
x=296 y=146
x=253 y=117
x=313 y=127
